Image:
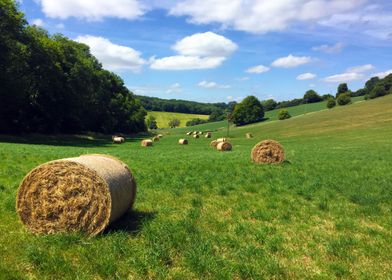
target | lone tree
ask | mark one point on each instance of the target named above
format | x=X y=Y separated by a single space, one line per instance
x=248 y=111
x=174 y=123
x=343 y=99
x=151 y=122
x=283 y=114
x=331 y=103
x=342 y=88
x=312 y=97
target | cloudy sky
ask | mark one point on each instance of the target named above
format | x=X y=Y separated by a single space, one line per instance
x=223 y=50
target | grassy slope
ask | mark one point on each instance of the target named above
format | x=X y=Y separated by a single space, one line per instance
x=163 y=118
x=324 y=214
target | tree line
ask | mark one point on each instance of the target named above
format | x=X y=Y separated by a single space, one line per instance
x=51 y=84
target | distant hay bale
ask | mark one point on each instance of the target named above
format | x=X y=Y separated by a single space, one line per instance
x=189 y=133
x=196 y=136
x=155 y=139
x=194 y=133
x=222 y=139
x=118 y=140
x=183 y=142
x=82 y=194
x=268 y=151
x=146 y=143
x=214 y=143
x=249 y=135
x=224 y=146
x=159 y=136
x=208 y=135
x=200 y=132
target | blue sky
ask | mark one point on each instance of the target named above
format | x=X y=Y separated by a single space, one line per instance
x=223 y=50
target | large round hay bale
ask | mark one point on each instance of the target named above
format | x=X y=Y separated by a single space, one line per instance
x=249 y=135
x=82 y=194
x=208 y=135
x=118 y=140
x=146 y=143
x=214 y=143
x=196 y=136
x=155 y=139
x=268 y=151
x=224 y=146
x=183 y=142
x=222 y=139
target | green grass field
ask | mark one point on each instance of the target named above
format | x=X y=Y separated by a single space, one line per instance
x=326 y=213
x=163 y=118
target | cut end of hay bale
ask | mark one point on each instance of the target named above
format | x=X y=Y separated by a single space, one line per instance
x=224 y=146
x=146 y=143
x=81 y=194
x=249 y=135
x=183 y=142
x=268 y=152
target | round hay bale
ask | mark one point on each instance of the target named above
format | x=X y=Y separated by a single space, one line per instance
x=208 y=135
x=249 y=135
x=159 y=136
x=214 y=143
x=194 y=133
x=118 y=140
x=146 y=143
x=222 y=139
x=155 y=139
x=224 y=146
x=268 y=151
x=189 y=133
x=196 y=136
x=82 y=194
x=183 y=142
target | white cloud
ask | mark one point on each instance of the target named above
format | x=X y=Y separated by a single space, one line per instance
x=174 y=88
x=38 y=22
x=113 y=57
x=181 y=62
x=382 y=74
x=198 y=51
x=344 y=77
x=92 y=9
x=337 y=48
x=291 y=61
x=260 y=16
x=211 y=85
x=206 y=44
x=306 y=76
x=243 y=79
x=360 y=68
x=351 y=74
x=258 y=69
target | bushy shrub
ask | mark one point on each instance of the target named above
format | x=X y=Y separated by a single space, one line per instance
x=283 y=114
x=343 y=99
x=331 y=103
x=174 y=123
x=196 y=121
x=377 y=91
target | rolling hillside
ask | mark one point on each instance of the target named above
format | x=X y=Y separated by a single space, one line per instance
x=163 y=118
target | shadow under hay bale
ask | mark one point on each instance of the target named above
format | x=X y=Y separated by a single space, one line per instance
x=224 y=146
x=183 y=142
x=131 y=222
x=268 y=152
x=82 y=194
x=146 y=143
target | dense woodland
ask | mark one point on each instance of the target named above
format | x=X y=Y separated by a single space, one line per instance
x=51 y=84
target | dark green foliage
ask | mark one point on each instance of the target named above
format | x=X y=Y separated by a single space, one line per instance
x=195 y=122
x=174 y=123
x=370 y=84
x=50 y=84
x=327 y=96
x=248 y=111
x=217 y=115
x=151 y=122
x=342 y=88
x=360 y=92
x=377 y=91
x=312 y=97
x=343 y=99
x=290 y=103
x=269 y=104
x=283 y=114
x=331 y=103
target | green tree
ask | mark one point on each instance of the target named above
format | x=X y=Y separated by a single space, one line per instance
x=377 y=91
x=283 y=114
x=248 y=111
x=342 y=88
x=174 y=123
x=195 y=121
x=343 y=99
x=269 y=104
x=371 y=83
x=151 y=122
x=331 y=103
x=312 y=97
x=217 y=115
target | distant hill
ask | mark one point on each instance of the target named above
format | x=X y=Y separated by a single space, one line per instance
x=163 y=118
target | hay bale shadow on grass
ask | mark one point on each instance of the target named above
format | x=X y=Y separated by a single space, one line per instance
x=131 y=222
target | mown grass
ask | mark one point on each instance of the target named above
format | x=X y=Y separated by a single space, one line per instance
x=163 y=118
x=323 y=214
